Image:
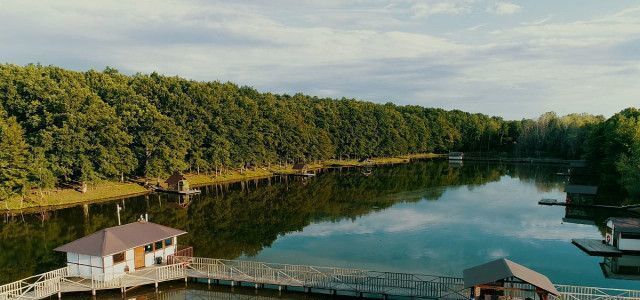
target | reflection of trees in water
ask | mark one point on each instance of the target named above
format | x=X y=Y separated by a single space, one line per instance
x=231 y=220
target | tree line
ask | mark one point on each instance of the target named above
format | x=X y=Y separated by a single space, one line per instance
x=60 y=126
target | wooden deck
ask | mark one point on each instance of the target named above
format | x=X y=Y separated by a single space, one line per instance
x=332 y=280
x=596 y=247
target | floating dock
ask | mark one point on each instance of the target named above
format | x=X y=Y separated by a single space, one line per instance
x=595 y=247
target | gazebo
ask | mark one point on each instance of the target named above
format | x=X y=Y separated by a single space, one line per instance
x=504 y=279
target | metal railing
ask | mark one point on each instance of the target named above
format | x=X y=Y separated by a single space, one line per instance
x=34 y=287
x=311 y=277
x=572 y=292
x=336 y=279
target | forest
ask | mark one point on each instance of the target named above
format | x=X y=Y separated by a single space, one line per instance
x=59 y=126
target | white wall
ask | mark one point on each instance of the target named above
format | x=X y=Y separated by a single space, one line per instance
x=629 y=244
x=87 y=266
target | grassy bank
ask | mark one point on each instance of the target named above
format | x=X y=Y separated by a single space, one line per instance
x=66 y=197
x=110 y=190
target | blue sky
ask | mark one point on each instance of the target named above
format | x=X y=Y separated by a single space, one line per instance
x=509 y=58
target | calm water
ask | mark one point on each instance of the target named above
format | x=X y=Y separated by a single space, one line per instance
x=427 y=217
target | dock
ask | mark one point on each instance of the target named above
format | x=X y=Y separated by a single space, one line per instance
x=308 y=279
x=187 y=192
x=595 y=247
x=554 y=202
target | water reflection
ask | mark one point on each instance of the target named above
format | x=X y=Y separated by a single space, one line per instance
x=427 y=217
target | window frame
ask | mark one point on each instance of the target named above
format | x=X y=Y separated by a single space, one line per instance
x=155 y=245
x=116 y=261
x=170 y=242
x=148 y=248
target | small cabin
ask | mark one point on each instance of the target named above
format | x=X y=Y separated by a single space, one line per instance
x=581 y=194
x=177 y=182
x=111 y=252
x=623 y=233
x=456 y=155
x=300 y=168
x=504 y=279
x=625 y=267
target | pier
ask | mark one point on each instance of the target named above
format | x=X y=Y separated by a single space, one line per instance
x=310 y=279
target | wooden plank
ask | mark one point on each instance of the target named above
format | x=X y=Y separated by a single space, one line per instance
x=596 y=247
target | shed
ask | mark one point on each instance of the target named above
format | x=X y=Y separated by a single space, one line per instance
x=581 y=194
x=300 y=167
x=623 y=233
x=177 y=182
x=503 y=277
x=456 y=155
x=112 y=251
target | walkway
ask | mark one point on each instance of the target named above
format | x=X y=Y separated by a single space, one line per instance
x=353 y=281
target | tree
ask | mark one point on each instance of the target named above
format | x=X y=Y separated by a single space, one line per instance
x=14 y=151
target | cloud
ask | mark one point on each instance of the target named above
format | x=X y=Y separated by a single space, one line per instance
x=375 y=50
x=504 y=8
x=425 y=9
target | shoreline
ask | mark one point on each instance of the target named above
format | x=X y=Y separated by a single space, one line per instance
x=51 y=199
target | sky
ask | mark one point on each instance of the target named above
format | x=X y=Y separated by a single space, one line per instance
x=515 y=59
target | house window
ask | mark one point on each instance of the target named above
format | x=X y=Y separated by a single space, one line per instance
x=168 y=242
x=630 y=235
x=148 y=248
x=158 y=245
x=118 y=258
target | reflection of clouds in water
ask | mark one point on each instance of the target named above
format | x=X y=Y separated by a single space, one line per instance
x=506 y=208
x=497 y=253
x=392 y=220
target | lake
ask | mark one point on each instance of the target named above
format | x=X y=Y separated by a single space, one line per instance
x=426 y=217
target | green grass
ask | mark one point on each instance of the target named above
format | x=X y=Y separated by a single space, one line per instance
x=110 y=190
x=66 y=197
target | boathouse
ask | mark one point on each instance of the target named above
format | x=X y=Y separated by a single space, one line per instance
x=623 y=233
x=300 y=168
x=111 y=252
x=456 y=155
x=177 y=182
x=504 y=279
x=581 y=194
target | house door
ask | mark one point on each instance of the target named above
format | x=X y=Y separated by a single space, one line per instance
x=138 y=254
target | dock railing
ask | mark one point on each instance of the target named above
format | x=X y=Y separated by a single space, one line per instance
x=572 y=292
x=328 y=278
x=308 y=277
x=34 y=287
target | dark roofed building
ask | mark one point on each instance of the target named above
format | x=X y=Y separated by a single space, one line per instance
x=300 y=167
x=177 y=182
x=112 y=251
x=503 y=277
x=581 y=194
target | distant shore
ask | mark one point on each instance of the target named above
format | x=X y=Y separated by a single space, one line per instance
x=110 y=190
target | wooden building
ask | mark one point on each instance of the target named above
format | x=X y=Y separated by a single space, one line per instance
x=177 y=182
x=504 y=279
x=623 y=234
x=300 y=168
x=456 y=155
x=111 y=252
x=581 y=194
x=625 y=267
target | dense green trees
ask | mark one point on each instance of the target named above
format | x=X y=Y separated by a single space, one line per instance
x=85 y=126
x=13 y=157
